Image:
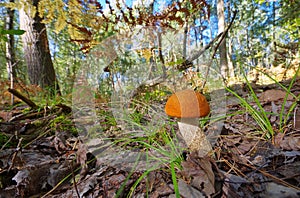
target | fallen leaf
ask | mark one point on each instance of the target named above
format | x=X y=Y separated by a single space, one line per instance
x=199 y=172
x=186 y=190
x=274 y=95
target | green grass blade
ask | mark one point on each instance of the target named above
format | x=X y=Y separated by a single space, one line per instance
x=174 y=180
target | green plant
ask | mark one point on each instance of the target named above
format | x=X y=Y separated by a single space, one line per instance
x=152 y=139
x=136 y=117
x=63 y=123
x=133 y=187
x=4 y=140
x=260 y=115
x=50 y=97
x=170 y=156
x=174 y=179
x=149 y=94
x=106 y=118
x=283 y=118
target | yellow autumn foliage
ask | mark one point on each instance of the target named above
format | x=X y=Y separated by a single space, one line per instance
x=53 y=11
x=26 y=5
x=146 y=53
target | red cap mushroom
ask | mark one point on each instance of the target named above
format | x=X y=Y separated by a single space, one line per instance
x=187 y=104
x=190 y=105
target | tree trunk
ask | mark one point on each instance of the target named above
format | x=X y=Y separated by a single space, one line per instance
x=36 y=49
x=229 y=51
x=222 y=48
x=10 y=53
x=229 y=59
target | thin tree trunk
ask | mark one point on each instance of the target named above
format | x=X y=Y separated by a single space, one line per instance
x=161 y=57
x=185 y=39
x=10 y=53
x=229 y=51
x=36 y=49
x=230 y=63
x=222 y=48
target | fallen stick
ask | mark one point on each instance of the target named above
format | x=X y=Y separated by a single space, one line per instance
x=23 y=98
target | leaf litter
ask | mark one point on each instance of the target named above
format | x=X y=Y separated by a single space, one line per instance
x=39 y=160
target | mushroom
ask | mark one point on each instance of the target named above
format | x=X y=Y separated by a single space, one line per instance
x=189 y=106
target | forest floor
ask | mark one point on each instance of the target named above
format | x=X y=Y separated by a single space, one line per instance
x=42 y=155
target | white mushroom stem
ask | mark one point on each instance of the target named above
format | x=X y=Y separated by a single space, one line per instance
x=194 y=136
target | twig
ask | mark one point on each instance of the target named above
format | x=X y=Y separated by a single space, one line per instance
x=59 y=183
x=4 y=145
x=74 y=180
x=296 y=119
x=227 y=29
x=274 y=178
x=29 y=115
x=223 y=35
x=188 y=62
x=19 y=148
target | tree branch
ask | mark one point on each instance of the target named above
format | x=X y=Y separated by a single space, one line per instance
x=188 y=62
x=23 y=98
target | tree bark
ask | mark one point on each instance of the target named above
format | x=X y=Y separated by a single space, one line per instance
x=36 y=49
x=10 y=53
x=229 y=51
x=222 y=48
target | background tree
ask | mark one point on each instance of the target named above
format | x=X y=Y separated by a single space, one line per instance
x=66 y=58
x=263 y=34
x=10 y=43
x=260 y=25
x=222 y=48
x=36 y=48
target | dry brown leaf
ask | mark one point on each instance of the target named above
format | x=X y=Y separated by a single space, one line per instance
x=294 y=142
x=199 y=172
x=232 y=140
x=287 y=142
x=290 y=171
x=274 y=95
x=186 y=190
x=245 y=146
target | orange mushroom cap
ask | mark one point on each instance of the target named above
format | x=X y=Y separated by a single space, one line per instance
x=187 y=104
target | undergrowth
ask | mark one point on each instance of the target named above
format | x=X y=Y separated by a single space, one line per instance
x=259 y=114
x=150 y=138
